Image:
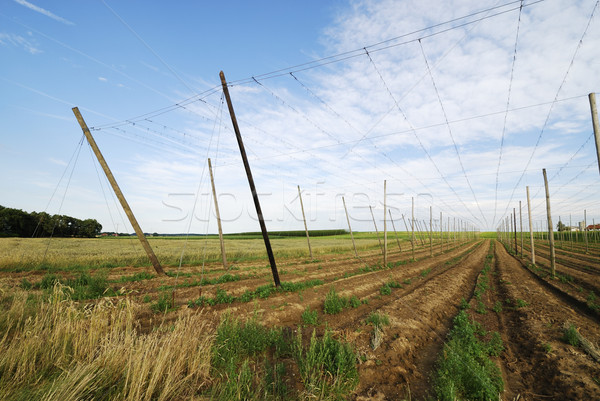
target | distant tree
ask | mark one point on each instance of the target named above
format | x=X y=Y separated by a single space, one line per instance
x=561 y=226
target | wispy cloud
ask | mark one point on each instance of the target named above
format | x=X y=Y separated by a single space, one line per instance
x=103 y=79
x=43 y=11
x=19 y=41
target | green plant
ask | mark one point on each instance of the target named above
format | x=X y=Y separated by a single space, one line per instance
x=334 y=303
x=497 y=307
x=407 y=281
x=378 y=320
x=163 y=304
x=354 y=301
x=463 y=304
x=495 y=345
x=385 y=290
x=328 y=366
x=464 y=369
x=547 y=348
x=570 y=335
x=26 y=284
x=310 y=317
x=521 y=303
x=481 y=308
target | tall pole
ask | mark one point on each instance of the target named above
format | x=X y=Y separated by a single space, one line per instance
x=376 y=230
x=395 y=232
x=384 y=223
x=261 y=220
x=412 y=227
x=585 y=230
x=515 y=225
x=521 y=226
x=113 y=182
x=592 y=97
x=212 y=183
x=530 y=228
x=430 y=231
x=550 y=228
x=441 y=233
x=350 y=228
x=305 y=226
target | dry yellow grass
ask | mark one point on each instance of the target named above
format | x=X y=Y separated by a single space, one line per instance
x=59 y=350
x=61 y=253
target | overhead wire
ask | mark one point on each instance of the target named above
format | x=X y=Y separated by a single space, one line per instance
x=539 y=138
x=437 y=92
x=510 y=82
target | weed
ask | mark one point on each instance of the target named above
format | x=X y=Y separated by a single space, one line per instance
x=521 y=303
x=425 y=272
x=570 y=336
x=407 y=281
x=495 y=346
x=334 y=303
x=481 y=309
x=385 y=290
x=497 y=307
x=26 y=284
x=547 y=348
x=464 y=369
x=463 y=304
x=394 y=284
x=146 y=299
x=354 y=301
x=378 y=320
x=163 y=304
x=310 y=317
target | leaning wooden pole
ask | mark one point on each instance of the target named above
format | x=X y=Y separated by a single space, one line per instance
x=350 y=228
x=395 y=232
x=214 y=192
x=261 y=220
x=384 y=224
x=550 y=228
x=305 y=226
x=376 y=230
x=592 y=97
x=120 y=196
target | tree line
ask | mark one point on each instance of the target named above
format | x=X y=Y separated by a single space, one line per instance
x=17 y=223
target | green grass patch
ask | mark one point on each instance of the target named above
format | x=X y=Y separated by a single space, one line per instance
x=464 y=370
x=310 y=317
x=378 y=320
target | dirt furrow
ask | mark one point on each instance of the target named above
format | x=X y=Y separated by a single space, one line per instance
x=539 y=364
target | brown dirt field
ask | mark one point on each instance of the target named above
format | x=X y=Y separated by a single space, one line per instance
x=536 y=363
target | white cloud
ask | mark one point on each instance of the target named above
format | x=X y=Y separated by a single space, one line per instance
x=43 y=11
x=19 y=41
x=103 y=79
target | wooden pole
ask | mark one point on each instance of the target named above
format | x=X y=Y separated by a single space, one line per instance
x=395 y=232
x=571 y=231
x=384 y=223
x=113 y=182
x=585 y=230
x=592 y=97
x=412 y=227
x=376 y=231
x=430 y=231
x=221 y=240
x=441 y=233
x=530 y=228
x=515 y=230
x=350 y=228
x=261 y=220
x=550 y=228
x=521 y=226
x=305 y=226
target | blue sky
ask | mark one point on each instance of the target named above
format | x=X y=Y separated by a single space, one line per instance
x=445 y=102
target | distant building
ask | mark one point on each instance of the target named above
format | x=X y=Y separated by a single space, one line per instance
x=593 y=227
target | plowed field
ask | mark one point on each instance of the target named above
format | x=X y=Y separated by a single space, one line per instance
x=528 y=309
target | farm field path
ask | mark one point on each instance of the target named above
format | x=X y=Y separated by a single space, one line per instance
x=537 y=363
